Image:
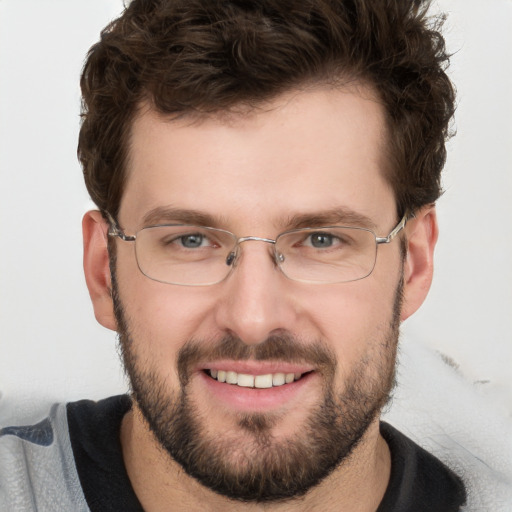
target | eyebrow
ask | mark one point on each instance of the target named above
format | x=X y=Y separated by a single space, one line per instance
x=166 y=215
x=335 y=216
x=332 y=217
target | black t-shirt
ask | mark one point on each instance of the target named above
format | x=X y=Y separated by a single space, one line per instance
x=418 y=483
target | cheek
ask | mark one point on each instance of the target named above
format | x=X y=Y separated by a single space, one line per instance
x=353 y=318
x=160 y=317
x=165 y=314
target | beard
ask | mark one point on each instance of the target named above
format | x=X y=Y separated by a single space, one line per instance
x=249 y=463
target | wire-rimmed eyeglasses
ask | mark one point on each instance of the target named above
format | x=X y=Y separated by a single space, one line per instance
x=198 y=256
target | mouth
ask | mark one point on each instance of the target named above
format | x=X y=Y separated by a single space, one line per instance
x=256 y=386
x=246 y=380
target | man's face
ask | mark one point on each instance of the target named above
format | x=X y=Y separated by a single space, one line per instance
x=304 y=156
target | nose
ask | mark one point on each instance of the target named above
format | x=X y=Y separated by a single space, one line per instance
x=257 y=300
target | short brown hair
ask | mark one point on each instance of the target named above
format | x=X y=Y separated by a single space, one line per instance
x=205 y=56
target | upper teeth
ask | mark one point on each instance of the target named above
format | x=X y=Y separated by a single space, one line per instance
x=255 y=381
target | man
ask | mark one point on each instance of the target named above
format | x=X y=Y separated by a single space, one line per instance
x=265 y=174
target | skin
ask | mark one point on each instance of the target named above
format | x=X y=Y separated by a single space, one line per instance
x=303 y=153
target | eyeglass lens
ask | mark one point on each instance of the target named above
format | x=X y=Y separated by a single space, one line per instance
x=192 y=255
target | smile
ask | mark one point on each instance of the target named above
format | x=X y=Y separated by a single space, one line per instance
x=244 y=380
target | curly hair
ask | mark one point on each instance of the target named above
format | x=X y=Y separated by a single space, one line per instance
x=205 y=56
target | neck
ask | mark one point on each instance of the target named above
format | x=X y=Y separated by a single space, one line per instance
x=357 y=485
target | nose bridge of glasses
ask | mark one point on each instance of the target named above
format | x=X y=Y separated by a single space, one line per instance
x=255 y=239
x=233 y=256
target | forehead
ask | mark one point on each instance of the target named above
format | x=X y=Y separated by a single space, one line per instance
x=304 y=153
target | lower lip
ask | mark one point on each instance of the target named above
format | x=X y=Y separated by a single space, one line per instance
x=256 y=399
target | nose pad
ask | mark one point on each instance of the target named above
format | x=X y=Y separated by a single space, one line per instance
x=232 y=257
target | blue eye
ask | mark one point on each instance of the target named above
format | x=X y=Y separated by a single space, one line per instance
x=192 y=241
x=321 y=240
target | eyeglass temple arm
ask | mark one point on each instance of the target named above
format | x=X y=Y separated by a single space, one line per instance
x=396 y=230
x=115 y=230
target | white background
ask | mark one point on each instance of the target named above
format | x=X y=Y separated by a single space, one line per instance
x=50 y=344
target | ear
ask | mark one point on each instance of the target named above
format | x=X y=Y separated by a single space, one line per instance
x=422 y=233
x=96 y=268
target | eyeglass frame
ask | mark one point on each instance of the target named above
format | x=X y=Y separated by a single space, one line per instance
x=116 y=231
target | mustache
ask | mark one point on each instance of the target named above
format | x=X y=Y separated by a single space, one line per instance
x=280 y=347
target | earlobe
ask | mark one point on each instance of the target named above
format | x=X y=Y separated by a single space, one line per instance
x=422 y=233
x=96 y=267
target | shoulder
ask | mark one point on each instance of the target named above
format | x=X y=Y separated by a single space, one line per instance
x=37 y=458
x=94 y=431
x=37 y=469
x=91 y=412
x=444 y=414
x=418 y=481
x=94 y=428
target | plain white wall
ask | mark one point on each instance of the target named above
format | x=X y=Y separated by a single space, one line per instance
x=50 y=344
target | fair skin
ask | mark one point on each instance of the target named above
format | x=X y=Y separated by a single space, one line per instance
x=305 y=153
